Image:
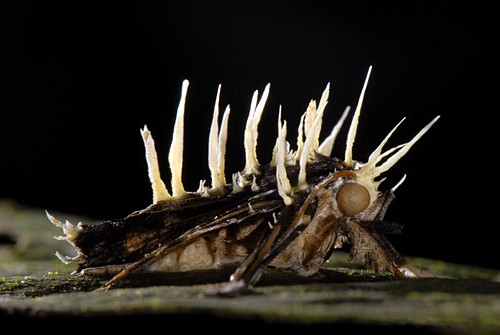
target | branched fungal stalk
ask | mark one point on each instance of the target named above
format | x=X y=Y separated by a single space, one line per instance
x=288 y=214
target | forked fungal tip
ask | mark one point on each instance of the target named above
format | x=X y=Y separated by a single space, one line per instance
x=402 y=150
x=54 y=221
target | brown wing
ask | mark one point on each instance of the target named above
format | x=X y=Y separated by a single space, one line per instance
x=185 y=231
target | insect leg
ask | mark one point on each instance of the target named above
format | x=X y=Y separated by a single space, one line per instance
x=288 y=227
x=370 y=235
x=284 y=231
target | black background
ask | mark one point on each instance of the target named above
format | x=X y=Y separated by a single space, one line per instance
x=78 y=81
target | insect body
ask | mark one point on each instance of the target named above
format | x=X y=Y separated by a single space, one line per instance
x=289 y=214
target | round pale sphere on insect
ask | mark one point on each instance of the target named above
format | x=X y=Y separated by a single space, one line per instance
x=352 y=198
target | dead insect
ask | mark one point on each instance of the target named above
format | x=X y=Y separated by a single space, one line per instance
x=289 y=214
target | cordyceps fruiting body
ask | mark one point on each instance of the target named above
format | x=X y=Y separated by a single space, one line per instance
x=288 y=214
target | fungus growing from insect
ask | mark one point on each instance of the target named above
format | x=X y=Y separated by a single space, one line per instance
x=289 y=214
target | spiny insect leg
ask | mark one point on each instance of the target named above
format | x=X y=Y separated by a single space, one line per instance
x=252 y=268
x=370 y=230
x=369 y=235
x=369 y=243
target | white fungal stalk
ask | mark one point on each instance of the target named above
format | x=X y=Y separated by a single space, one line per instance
x=308 y=148
x=310 y=124
x=213 y=145
x=160 y=192
x=251 y=131
x=404 y=149
x=307 y=121
x=217 y=146
x=326 y=146
x=351 y=136
x=284 y=187
x=177 y=146
x=221 y=153
x=369 y=171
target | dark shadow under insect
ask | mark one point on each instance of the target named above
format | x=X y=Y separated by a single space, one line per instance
x=289 y=214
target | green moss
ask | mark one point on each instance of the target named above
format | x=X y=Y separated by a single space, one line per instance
x=12 y=284
x=52 y=282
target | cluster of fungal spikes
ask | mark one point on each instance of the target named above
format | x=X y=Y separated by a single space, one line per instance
x=70 y=234
x=307 y=147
